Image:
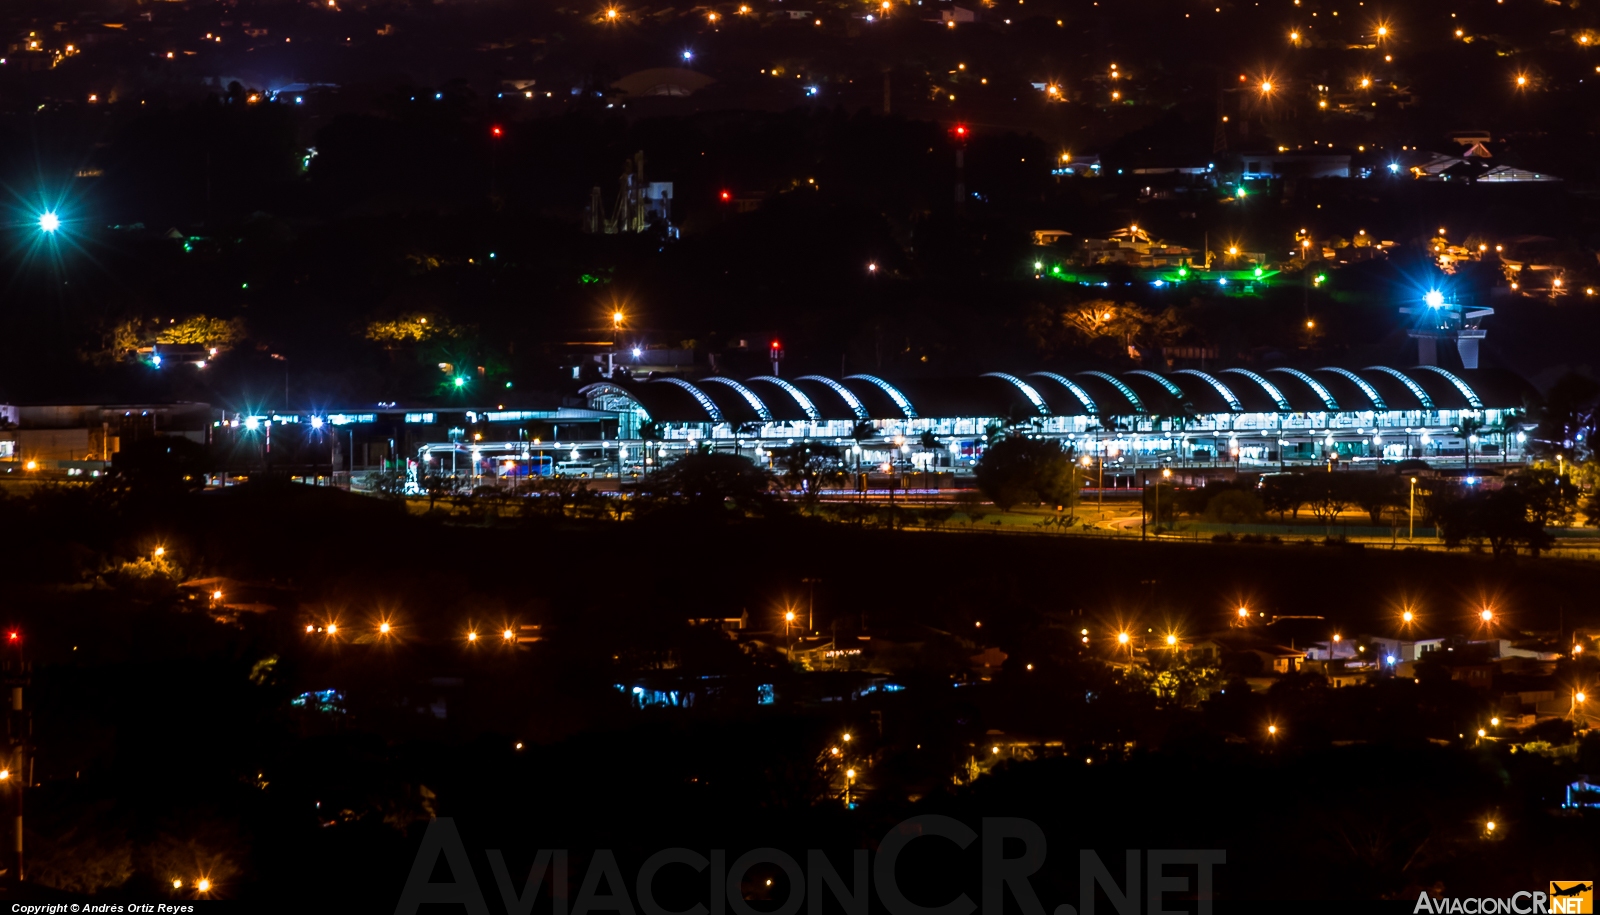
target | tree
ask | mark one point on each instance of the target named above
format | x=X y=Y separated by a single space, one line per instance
x=1019 y=470
x=1374 y=493
x=1499 y=517
x=1234 y=506
x=1326 y=495
x=1161 y=498
x=715 y=486
x=1468 y=427
x=1552 y=499
x=204 y=330
x=1284 y=493
x=807 y=467
x=1567 y=418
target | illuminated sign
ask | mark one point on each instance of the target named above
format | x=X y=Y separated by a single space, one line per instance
x=345 y=419
x=419 y=417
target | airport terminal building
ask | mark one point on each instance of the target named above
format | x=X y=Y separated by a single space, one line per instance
x=1181 y=417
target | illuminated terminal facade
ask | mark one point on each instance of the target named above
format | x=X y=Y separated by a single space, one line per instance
x=1190 y=417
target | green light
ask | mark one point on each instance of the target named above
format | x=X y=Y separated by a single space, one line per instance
x=1056 y=269
x=1240 y=192
x=1183 y=271
x=508 y=384
x=1258 y=273
x=1321 y=278
x=244 y=285
x=461 y=382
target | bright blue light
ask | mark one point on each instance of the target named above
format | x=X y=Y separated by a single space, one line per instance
x=155 y=361
x=1434 y=298
x=252 y=424
x=299 y=100
x=49 y=222
x=1391 y=659
x=811 y=90
x=438 y=95
x=1394 y=168
x=688 y=55
x=316 y=422
x=1157 y=283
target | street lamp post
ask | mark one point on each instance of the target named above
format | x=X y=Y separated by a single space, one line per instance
x=1411 y=519
x=811 y=606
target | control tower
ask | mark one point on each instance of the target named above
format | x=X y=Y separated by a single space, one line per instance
x=1439 y=320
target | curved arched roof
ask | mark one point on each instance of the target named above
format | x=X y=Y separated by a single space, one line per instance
x=817 y=398
x=1077 y=401
x=1111 y=393
x=786 y=402
x=1208 y=394
x=1306 y=393
x=833 y=399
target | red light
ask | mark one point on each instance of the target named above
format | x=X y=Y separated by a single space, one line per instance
x=497 y=130
x=13 y=636
x=775 y=345
x=726 y=196
x=961 y=131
